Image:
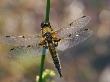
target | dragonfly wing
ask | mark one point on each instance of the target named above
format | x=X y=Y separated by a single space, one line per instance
x=20 y=51
x=73 y=27
x=22 y=44
x=20 y=40
x=75 y=39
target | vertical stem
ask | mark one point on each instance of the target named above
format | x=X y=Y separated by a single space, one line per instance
x=47 y=11
x=42 y=64
x=44 y=50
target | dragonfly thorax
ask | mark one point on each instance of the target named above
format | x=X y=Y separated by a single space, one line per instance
x=48 y=37
x=46 y=30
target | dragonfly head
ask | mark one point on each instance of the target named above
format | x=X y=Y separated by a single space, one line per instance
x=45 y=24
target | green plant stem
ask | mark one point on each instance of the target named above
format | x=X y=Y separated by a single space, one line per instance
x=42 y=64
x=44 y=50
x=47 y=11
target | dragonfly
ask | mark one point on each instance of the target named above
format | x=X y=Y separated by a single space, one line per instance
x=53 y=40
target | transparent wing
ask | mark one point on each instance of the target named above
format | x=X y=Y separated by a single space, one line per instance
x=22 y=45
x=73 y=40
x=73 y=27
x=25 y=51
x=20 y=40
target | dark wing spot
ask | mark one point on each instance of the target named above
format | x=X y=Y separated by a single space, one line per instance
x=69 y=35
x=23 y=36
x=86 y=29
x=7 y=36
x=83 y=16
x=28 y=46
x=12 y=49
x=71 y=23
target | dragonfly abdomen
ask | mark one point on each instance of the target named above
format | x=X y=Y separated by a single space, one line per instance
x=55 y=57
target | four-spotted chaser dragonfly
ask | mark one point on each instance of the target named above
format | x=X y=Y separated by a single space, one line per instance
x=61 y=39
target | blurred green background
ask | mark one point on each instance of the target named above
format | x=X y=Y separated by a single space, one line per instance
x=87 y=62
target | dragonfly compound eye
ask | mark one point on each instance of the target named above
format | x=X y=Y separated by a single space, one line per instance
x=45 y=24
